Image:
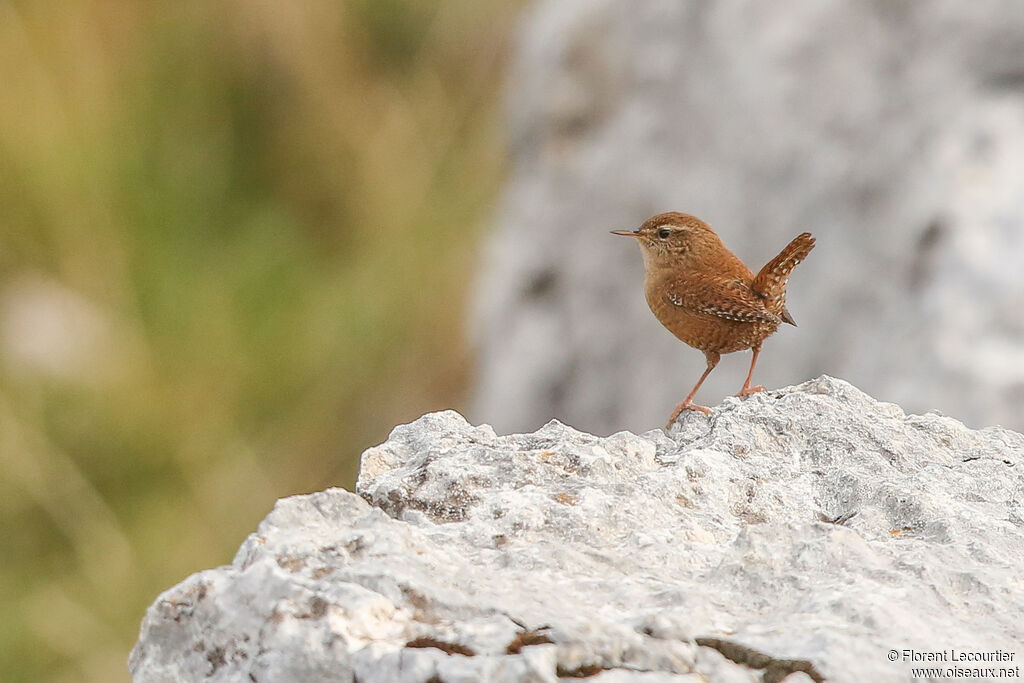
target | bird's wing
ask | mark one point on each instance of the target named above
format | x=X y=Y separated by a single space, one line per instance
x=729 y=299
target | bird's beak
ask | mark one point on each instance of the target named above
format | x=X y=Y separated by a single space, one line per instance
x=627 y=233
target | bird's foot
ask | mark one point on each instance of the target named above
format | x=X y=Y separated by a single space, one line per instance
x=685 y=405
x=747 y=391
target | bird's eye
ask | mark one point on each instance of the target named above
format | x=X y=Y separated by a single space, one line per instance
x=664 y=233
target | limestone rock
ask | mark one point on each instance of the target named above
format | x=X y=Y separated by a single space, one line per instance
x=808 y=530
x=892 y=130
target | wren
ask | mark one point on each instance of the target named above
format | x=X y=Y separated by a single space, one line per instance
x=703 y=294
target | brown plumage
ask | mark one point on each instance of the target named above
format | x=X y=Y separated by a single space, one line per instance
x=707 y=297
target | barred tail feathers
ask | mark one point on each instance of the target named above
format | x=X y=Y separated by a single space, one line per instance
x=770 y=283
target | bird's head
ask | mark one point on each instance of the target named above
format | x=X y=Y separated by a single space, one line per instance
x=673 y=239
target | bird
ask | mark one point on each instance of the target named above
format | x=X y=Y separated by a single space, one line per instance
x=707 y=297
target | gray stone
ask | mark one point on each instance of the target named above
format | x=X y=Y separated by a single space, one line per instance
x=892 y=130
x=809 y=529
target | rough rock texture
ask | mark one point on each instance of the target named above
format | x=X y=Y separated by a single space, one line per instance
x=893 y=130
x=808 y=530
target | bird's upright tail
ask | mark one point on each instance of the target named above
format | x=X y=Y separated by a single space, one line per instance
x=770 y=283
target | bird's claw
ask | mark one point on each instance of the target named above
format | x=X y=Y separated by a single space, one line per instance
x=684 y=406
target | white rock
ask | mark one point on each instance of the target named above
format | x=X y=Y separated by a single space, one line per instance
x=647 y=557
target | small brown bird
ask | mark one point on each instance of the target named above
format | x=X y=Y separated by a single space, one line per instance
x=707 y=297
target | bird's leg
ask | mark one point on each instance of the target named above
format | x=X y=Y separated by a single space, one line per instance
x=747 y=390
x=688 y=403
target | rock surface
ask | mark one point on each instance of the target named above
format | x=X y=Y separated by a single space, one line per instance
x=807 y=530
x=892 y=130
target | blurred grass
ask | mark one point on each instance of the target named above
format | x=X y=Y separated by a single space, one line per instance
x=234 y=244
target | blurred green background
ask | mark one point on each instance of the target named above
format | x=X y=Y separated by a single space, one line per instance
x=235 y=239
